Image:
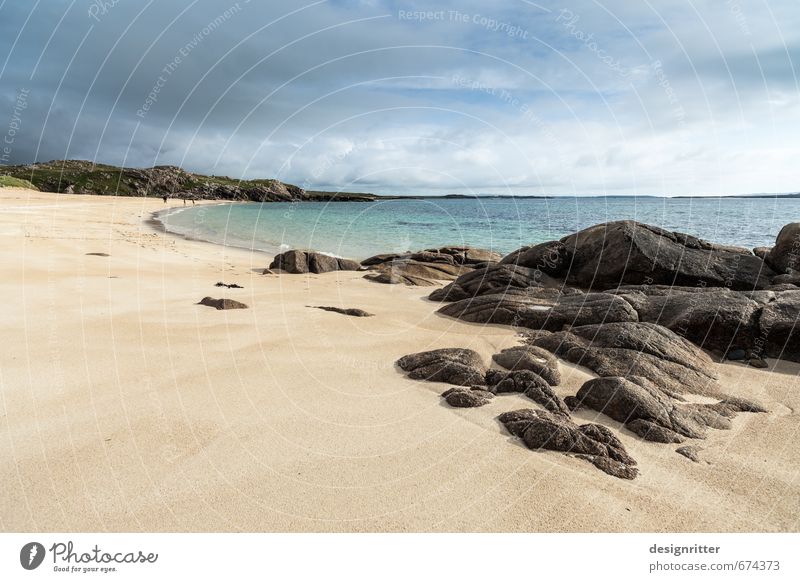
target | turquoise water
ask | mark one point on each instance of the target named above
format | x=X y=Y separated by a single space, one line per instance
x=361 y=229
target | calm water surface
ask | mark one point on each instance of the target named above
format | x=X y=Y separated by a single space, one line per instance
x=362 y=229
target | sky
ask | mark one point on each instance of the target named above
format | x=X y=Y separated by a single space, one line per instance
x=591 y=97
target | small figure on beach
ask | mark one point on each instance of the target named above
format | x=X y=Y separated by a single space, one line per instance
x=164 y=198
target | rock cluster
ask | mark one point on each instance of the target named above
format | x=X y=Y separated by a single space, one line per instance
x=551 y=428
x=300 y=261
x=634 y=349
x=428 y=267
x=457 y=366
x=592 y=442
x=531 y=385
x=727 y=300
x=639 y=306
x=537 y=360
x=645 y=396
x=654 y=414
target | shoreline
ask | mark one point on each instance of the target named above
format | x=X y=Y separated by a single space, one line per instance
x=128 y=407
x=158 y=225
x=350 y=235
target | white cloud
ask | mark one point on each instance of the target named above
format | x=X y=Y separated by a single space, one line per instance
x=340 y=95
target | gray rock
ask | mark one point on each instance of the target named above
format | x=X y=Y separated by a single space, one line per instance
x=627 y=252
x=762 y=252
x=494 y=279
x=650 y=431
x=542 y=309
x=690 y=452
x=592 y=442
x=551 y=258
x=221 y=304
x=502 y=308
x=736 y=355
x=411 y=272
x=779 y=328
x=351 y=311
x=635 y=349
x=530 y=384
x=428 y=267
x=653 y=414
x=531 y=358
x=785 y=255
x=467 y=397
x=300 y=261
x=792 y=278
x=715 y=319
x=458 y=366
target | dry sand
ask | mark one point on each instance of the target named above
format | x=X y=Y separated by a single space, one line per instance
x=127 y=407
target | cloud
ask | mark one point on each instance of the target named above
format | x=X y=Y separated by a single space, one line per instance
x=416 y=97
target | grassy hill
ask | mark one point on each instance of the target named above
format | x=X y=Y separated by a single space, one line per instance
x=83 y=177
x=11 y=182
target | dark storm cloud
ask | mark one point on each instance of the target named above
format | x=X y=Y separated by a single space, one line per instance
x=413 y=96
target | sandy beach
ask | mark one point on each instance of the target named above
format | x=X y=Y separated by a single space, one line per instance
x=128 y=407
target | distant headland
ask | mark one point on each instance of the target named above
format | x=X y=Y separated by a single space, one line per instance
x=86 y=177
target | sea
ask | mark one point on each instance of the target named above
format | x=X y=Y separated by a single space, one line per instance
x=359 y=230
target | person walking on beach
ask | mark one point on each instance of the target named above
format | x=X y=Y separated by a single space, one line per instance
x=164 y=198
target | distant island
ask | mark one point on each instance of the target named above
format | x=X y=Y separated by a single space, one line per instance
x=85 y=177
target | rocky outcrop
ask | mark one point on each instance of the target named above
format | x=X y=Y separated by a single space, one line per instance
x=461 y=397
x=300 y=261
x=551 y=258
x=503 y=308
x=592 y=442
x=726 y=300
x=778 y=330
x=458 y=366
x=537 y=360
x=428 y=267
x=785 y=255
x=222 y=303
x=528 y=383
x=448 y=255
x=413 y=273
x=715 y=319
x=756 y=324
x=609 y=255
x=634 y=349
x=691 y=452
x=85 y=177
x=543 y=309
x=762 y=252
x=628 y=252
x=351 y=311
x=654 y=414
x=494 y=279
